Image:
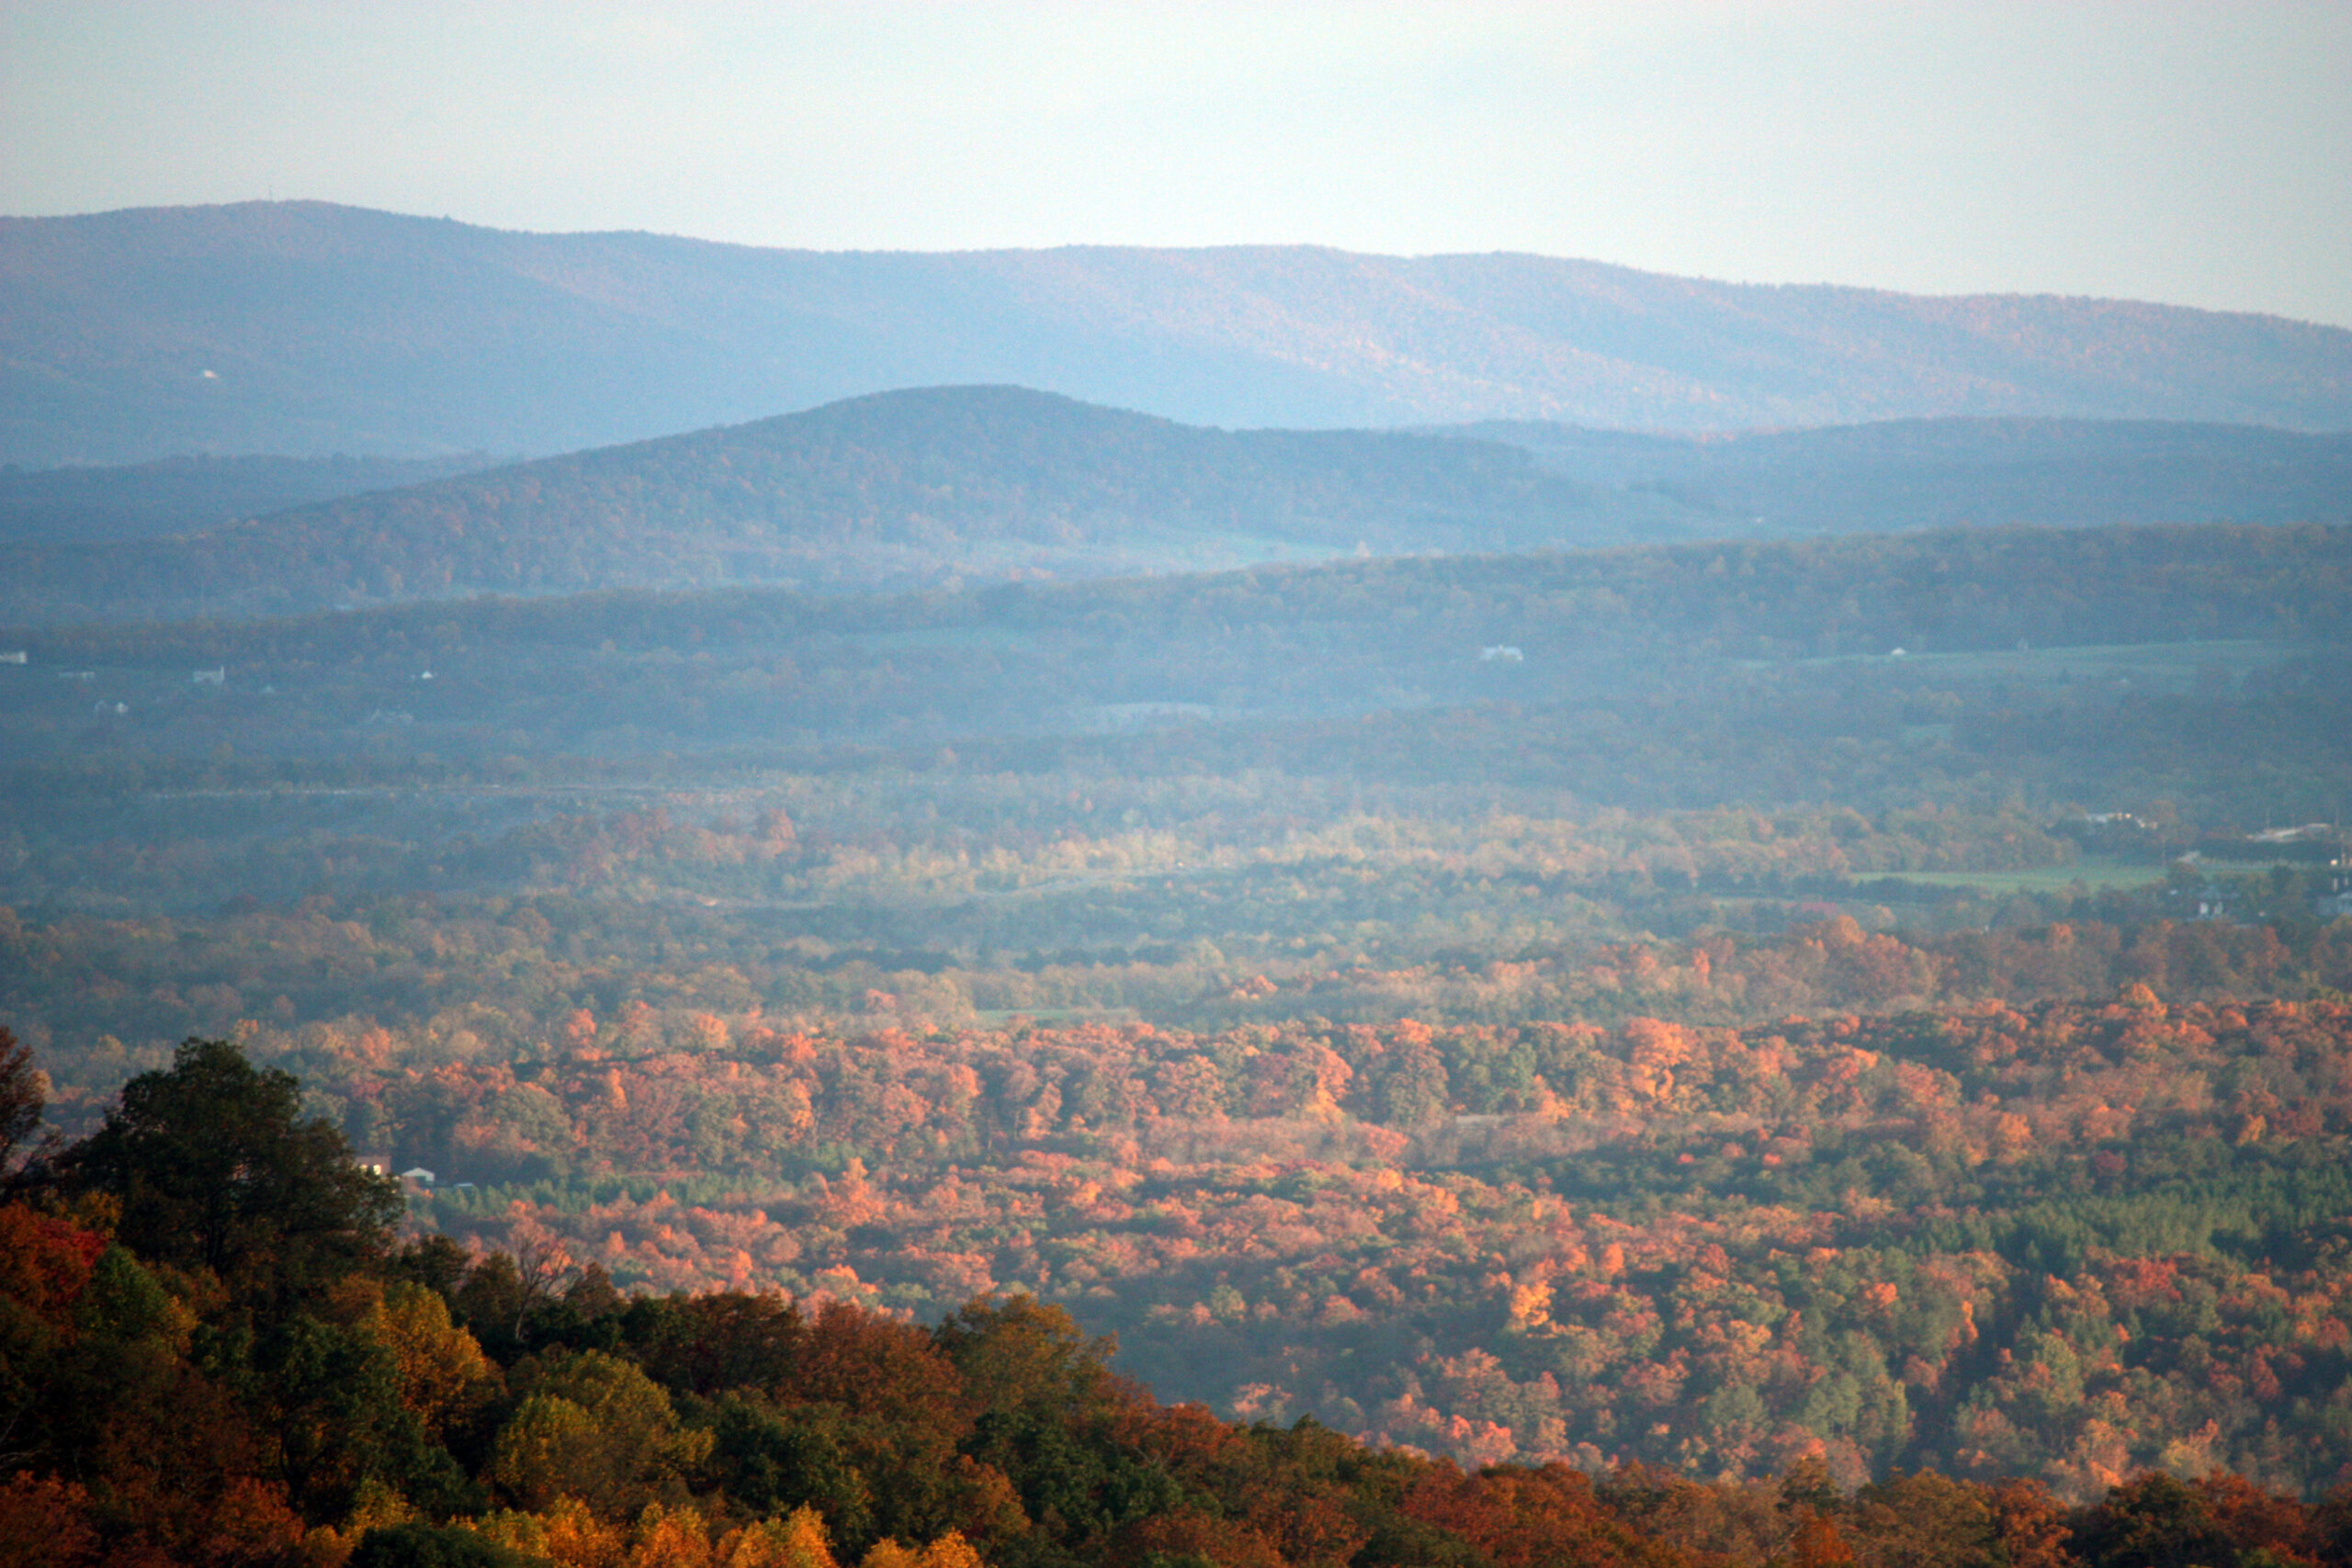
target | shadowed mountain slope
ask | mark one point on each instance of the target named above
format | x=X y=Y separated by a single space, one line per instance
x=940 y=486
x=186 y=494
x=307 y=328
x=1936 y=473
x=895 y=491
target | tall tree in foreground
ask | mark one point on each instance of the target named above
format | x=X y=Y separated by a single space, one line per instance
x=216 y=1167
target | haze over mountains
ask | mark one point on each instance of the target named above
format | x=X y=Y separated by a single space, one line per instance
x=306 y=329
x=938 y=487
x=1219 y=798
x=183 y=494
x=1932 y=473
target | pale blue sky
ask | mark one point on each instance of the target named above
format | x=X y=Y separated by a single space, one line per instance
x=2199 y=155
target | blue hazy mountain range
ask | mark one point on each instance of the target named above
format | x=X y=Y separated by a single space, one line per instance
x=942 y=486
x=305 y=329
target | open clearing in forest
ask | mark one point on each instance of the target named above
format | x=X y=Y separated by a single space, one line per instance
x=2096 y=873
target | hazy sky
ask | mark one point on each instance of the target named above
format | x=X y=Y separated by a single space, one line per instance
x=2193 y=153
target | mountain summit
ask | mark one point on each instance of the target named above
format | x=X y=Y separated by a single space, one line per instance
x=305 y=329
x=939 y=486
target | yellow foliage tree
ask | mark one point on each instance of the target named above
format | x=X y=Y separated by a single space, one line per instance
x=594 y=1427
x=567 y=1534
x=950 y=1551
x=795 y=1541
x=443 y=1374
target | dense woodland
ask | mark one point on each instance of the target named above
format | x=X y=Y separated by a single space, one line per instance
x=944 y=486
x=1942 y=472
x=1590 y=1055
x=1977 y=666
x=212 y=1348
x=969 y=979
x=189 y=493
x=1424 y=1233
x=880 y=493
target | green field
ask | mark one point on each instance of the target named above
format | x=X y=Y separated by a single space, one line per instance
x=2168 y=665
x=2094 y=872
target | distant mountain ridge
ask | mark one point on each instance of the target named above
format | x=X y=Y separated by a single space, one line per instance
x=942 y=486
x=303 y=328
x=184 y=494
x=1936 y=473
x=897 y=491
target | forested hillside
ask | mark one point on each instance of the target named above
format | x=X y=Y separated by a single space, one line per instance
x=1237 y=760
x=215 y=1351
x=1935 y=627
x=685 y=905
x=947 y=486
x=2064 y=1240
x=1938 y=473
x=1746 y=1021
x=306 y=329
x=186 y=494
x=891 y=492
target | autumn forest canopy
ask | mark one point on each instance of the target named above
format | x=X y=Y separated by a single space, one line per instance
x=966 y=979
